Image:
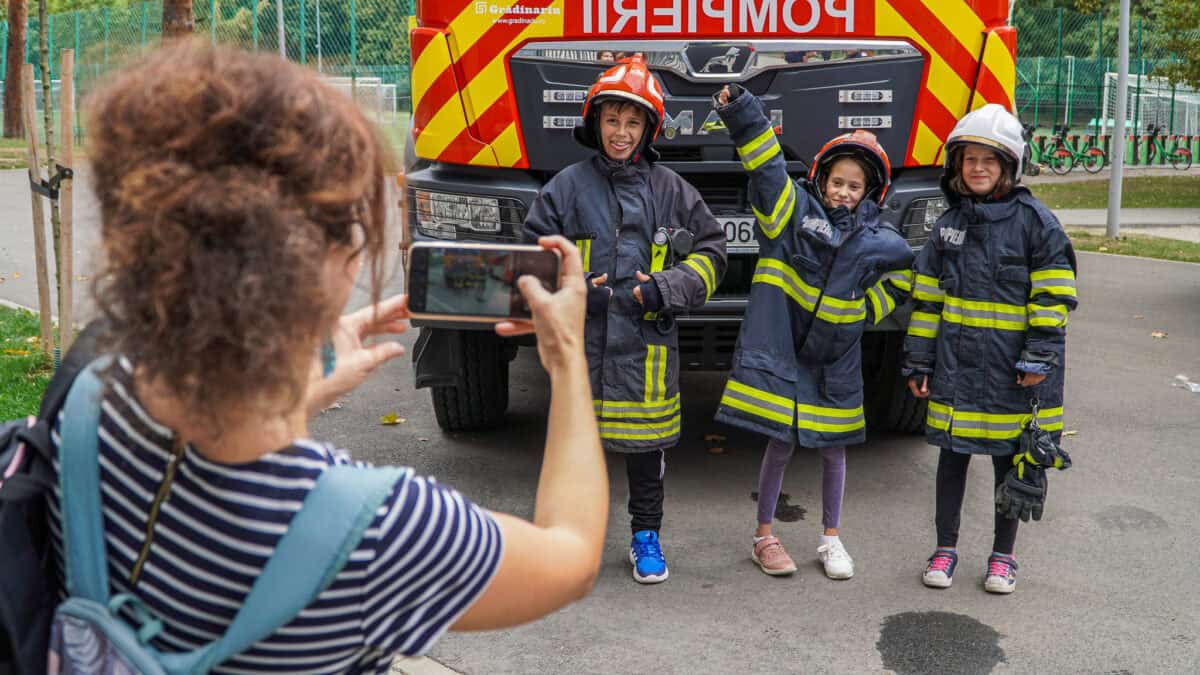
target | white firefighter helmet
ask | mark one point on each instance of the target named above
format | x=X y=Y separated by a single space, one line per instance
x=992 y=126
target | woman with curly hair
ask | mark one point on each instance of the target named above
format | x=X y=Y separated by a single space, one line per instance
x=239 y=196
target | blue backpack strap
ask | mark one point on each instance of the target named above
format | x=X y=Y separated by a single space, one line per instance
x=306 y=560
x=79 y=480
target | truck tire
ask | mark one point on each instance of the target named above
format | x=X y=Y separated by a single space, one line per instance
x=887 y=403
x=482 y=399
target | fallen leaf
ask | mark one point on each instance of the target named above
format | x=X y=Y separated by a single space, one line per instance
x=17 y=352
x=16 y=275
x=1158 y=334
x=390 y=418
x=1070 y=432
x=32 y=340
x=1139 y=316
x=1102 y=249
x=423 y=440
x=716 y=451
x=713 y=437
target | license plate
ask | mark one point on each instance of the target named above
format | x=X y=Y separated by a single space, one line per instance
x=739 y=233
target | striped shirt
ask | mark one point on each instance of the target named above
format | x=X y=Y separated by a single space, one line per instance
x=427 y=556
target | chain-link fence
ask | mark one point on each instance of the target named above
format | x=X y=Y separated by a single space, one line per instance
x=1066 y=74
x=360 y=45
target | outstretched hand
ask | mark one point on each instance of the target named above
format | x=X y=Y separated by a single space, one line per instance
x=354 y=360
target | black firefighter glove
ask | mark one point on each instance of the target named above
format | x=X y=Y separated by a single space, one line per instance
x=1023 y=492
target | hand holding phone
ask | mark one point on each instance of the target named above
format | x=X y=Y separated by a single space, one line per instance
x=476 y=282
x=558 y=318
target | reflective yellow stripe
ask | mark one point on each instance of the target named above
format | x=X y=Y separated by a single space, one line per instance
x=773 y=224
x=760 y=149
x=585 y=251
x=902 y=279
x=983 y=314
x=836 y=310
x=643 y=410
x=881 y=301
x=924 y=324
x=658 y=259
x=927 y=289
x=780 y=274
x=994 y=426
x=656 y=364
x=1047 y=316
x=830 y=420
x=757 y=402
x=641 y=431
x=706 y=274
x=1052 y=281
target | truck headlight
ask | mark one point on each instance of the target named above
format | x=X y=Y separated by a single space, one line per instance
x=442 y=215
x=922 y=214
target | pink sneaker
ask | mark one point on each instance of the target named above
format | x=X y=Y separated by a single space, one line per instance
x=771 y=557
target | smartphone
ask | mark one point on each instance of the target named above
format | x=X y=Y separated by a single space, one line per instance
x=475 y=282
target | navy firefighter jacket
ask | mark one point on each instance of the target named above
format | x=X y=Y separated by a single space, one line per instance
x=992 y=290
x=612 y=210
x=820 y=278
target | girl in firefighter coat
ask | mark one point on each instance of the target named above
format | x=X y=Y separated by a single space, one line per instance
x=827 y=267
x=652 y=249
x=987 y=337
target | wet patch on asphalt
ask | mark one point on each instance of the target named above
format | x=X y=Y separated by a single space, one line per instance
x=927 y=642
x=1129 y=518
x=788 y=513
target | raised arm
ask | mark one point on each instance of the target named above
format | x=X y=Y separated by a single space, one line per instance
x=773 y=193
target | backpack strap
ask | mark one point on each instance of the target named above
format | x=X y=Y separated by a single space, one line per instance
x=79 y=480
x=306 y=560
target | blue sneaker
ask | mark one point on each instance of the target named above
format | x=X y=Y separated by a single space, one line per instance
x=939 y=573
x=1001 y=574
x=649 y=565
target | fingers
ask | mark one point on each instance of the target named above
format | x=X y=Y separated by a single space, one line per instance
x=514 y=328
x=600 y=280
x=642 y=277
x=637 y=294
x=572 y=263
x=919 y=386
x=534 y=293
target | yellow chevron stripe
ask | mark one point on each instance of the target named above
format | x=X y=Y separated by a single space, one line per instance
x=507 y=146
x=926 y=145
x=943 y=83
x=964 y=23
x=485 y=157
x=997 y=59
x=447 y=123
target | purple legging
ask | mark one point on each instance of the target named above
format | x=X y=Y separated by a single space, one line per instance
x=770 y=481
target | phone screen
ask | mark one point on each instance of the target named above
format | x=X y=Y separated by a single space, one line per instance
x=477 y=283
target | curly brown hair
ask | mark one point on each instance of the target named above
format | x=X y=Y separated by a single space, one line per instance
x=224 y=178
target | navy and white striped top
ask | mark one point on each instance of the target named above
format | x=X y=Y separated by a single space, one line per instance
x=427 y=556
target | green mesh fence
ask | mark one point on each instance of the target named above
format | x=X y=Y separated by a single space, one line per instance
x=360 y=45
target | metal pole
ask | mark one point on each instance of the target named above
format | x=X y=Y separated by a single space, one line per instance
x=1103 y=72
x=303 y=34
x=1137 y=102
x=1118 y=154
x=320 y=68
x=279 y=23
x=1171 y=115
x=1037 y=93
x=4 y=56
x=1070 y=88
x=1058 y=62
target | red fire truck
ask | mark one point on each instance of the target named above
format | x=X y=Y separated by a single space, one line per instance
x=497 y=87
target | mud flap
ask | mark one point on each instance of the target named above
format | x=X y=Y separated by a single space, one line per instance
x=438 y=358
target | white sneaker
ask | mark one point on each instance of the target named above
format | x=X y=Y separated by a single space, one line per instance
x=838 y=564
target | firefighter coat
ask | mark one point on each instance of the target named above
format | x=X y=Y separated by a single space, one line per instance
x=992 y=289
x=820 y=278
x=611 y=210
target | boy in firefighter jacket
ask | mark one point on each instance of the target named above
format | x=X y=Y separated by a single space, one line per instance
x=987 y=337
x=651 y=249
x=827 y=267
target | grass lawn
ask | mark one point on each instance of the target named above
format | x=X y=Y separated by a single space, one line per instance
x=1137 y=192
x=1137 y=244
x=24 y=370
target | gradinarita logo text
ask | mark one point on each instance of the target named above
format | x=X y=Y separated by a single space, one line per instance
x=516 y=13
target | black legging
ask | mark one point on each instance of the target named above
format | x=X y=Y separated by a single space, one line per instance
x=644 y=471
x=952 y=485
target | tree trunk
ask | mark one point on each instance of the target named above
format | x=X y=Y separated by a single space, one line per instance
x=18 y=14
x=177 y=18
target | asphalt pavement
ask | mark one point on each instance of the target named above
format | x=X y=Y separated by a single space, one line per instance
x=1106 y=581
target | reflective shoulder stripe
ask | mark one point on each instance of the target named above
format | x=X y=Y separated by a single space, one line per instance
x=772 y=225
x=927 y=289
x=1053 y=281
x=760 y=149
x=703 y=267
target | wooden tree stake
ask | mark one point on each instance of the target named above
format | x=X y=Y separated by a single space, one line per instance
x=65 y=256
x=39 y=216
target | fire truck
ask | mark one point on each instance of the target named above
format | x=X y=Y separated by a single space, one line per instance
x=498 y=85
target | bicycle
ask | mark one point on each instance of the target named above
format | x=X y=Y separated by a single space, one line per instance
x=1180 y=157
x=1063 y=156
